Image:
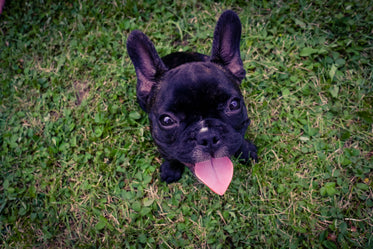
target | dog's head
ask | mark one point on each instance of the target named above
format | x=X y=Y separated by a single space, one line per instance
x=195 y=107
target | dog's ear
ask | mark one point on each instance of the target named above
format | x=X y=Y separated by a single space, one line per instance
x=226 y=44
x=148 y=65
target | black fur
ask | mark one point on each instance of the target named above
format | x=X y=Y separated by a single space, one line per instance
x=195 y=107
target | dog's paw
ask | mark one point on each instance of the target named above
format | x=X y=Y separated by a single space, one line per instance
x=253 y=152
x=248 y=150
x=171 y=171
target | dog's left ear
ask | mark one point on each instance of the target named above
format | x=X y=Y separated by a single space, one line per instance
x=226 y=44
x=148 y=65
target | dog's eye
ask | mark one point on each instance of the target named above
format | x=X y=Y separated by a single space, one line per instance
x=234 y=104
x=166 y=120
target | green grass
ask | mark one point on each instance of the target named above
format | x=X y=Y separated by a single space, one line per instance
x=78 y=167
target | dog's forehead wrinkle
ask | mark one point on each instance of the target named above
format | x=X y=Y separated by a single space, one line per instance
x=193 y=98
x=196 y=72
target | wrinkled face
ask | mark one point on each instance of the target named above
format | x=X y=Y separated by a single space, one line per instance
x=198 y=113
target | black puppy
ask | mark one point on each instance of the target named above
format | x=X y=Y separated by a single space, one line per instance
x=196 y=110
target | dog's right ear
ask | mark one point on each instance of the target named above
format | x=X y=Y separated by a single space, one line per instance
x=148 y=65
x=226 y=44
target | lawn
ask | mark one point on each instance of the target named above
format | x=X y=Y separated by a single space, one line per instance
x=79 y=167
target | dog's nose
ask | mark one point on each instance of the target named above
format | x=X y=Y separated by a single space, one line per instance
x=208 y=140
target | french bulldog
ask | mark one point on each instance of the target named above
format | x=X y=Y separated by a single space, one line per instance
x=196 y=110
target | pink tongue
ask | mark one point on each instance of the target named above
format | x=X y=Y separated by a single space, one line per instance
x=215 y=173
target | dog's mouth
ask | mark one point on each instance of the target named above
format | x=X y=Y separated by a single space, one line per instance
x=215 y=173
